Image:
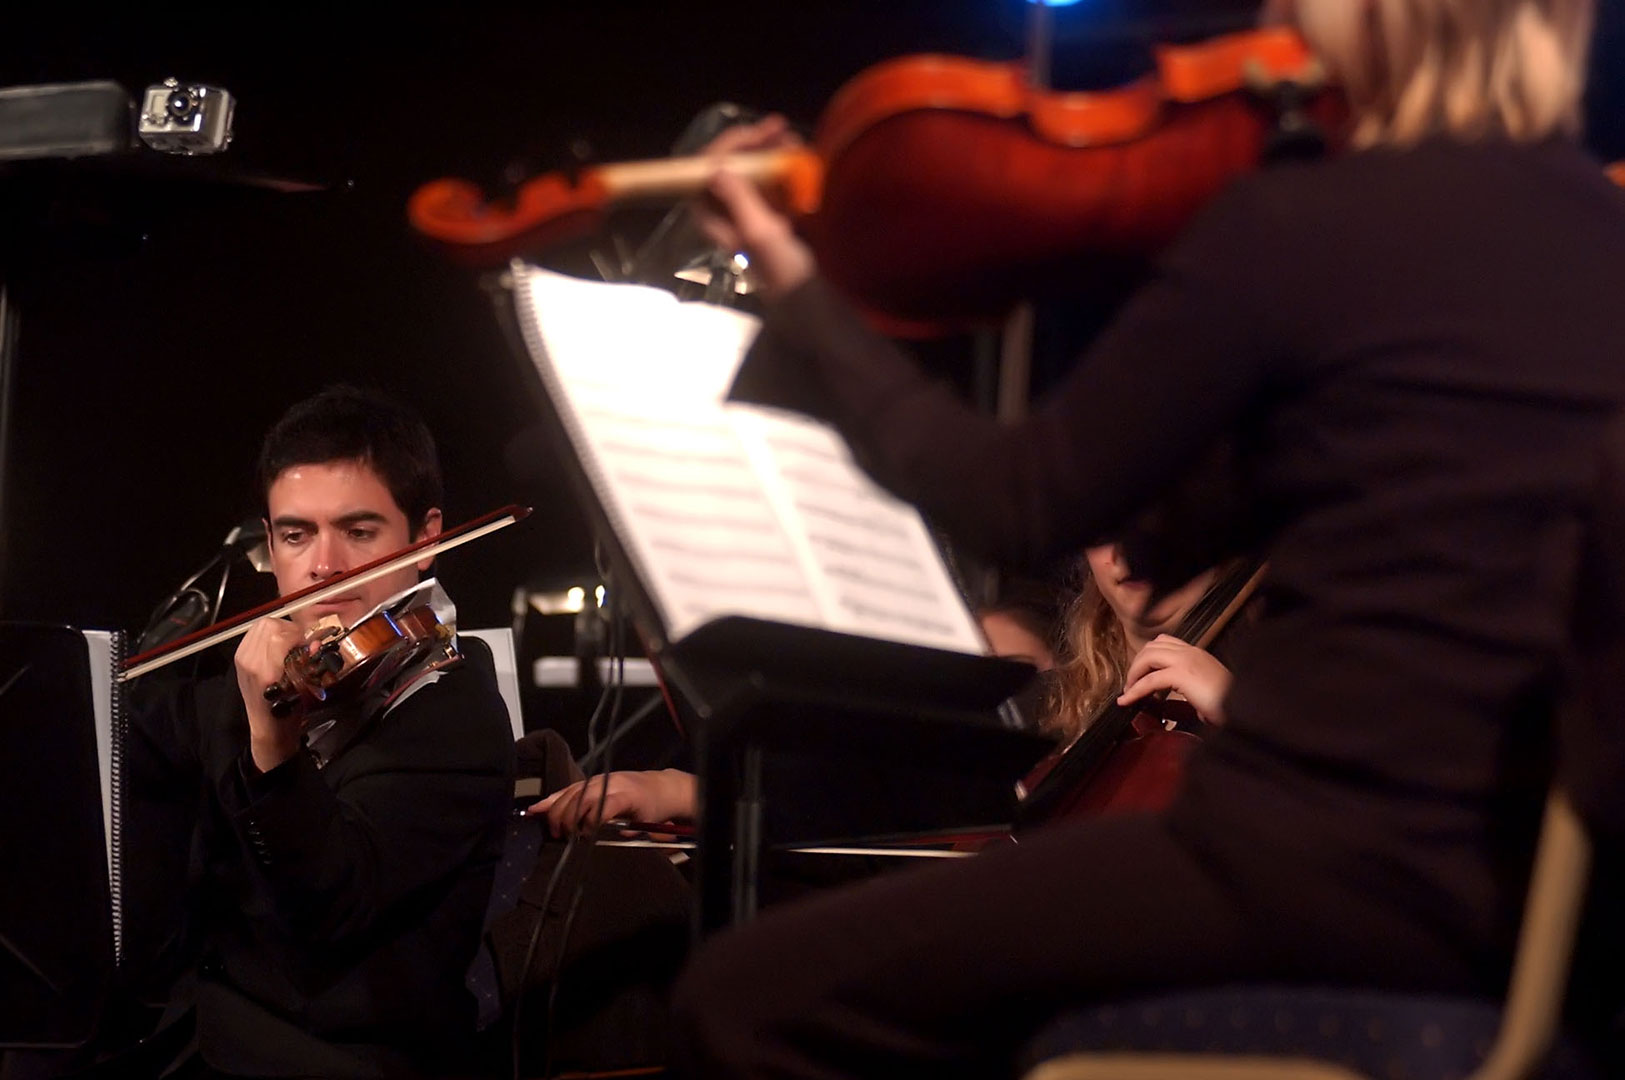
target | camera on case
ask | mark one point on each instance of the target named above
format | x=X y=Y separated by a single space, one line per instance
x=189 y=119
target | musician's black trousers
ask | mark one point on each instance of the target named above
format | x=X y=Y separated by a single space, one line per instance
x=949 y=968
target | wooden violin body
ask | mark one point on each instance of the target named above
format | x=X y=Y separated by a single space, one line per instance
x=953 y=189
x=351 y=664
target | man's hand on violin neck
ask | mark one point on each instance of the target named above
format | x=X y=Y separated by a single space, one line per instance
x=260 y=664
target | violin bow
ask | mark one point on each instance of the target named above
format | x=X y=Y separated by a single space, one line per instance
x=209 y=636
x=923 y=846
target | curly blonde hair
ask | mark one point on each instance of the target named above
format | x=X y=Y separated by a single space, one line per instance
x=1092 y=664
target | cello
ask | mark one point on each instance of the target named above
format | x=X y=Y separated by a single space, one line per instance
x=1124 y=758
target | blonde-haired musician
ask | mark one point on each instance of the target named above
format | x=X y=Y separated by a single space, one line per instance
x=1418 y=345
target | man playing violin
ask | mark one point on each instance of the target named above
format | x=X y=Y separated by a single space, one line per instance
x=335 y=898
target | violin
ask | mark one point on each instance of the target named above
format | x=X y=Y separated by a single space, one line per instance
x=1125 y=758
x=939 y=190
x=339 y=664
x=226 y=629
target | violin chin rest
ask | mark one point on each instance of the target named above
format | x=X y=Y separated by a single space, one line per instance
x=326 y=626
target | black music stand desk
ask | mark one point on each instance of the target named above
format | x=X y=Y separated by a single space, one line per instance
x=56 y=921
x=756 y=686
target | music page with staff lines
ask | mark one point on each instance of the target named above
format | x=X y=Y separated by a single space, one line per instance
x=727 y=509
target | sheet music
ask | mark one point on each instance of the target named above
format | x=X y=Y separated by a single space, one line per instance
x=729 y=509
x=876 y=566
x=681 y=486
x=101 y=698
x=102 y=656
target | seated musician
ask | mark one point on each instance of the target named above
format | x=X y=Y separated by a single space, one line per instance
x=1121 y=649
x=1416 y=346
x=1111 y=650
x=338 y=875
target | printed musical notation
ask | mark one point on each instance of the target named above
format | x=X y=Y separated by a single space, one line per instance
x=881 y=572
x=728 y=509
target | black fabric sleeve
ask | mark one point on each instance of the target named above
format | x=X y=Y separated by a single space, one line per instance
x=166 y=738
x=1178 y=365
x=1592 y=736
x=171 y=718
x=418 y=797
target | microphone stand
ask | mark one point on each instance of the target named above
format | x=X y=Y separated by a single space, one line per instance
x=167 y=621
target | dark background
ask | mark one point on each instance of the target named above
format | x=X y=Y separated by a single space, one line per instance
x=168 y=318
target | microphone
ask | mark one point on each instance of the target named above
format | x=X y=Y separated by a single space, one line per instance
x=248 y=537
x=181 y=614
x=245 y=534
x=190 y=608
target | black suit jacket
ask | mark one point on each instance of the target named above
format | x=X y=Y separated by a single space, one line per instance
x=332 y=912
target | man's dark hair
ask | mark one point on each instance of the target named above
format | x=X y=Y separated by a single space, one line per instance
x=348 y=423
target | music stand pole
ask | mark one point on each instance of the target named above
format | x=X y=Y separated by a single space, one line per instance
x=8 y=354
x=747 y=853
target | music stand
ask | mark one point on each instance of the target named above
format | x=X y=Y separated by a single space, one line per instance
x=749 y=686
x=757 y=686
x=56 y=917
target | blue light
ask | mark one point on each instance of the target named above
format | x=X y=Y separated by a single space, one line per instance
x=1055 y=3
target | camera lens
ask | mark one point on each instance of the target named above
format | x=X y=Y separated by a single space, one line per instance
x=181 y=105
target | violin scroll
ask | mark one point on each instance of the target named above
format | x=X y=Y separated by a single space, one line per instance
x=941 y=190
x=555 y=208
x=548 y=209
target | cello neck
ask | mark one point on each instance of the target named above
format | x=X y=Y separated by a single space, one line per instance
x=1210 y=615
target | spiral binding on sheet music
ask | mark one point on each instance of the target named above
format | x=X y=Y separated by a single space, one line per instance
x=118 y=722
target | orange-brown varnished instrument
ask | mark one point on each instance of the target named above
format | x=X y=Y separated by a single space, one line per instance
x=346 y=664
x=1125 y=759
x=940 y=190
x=953 y=189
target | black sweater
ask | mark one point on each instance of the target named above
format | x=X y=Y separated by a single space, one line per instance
x=1415 y=353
